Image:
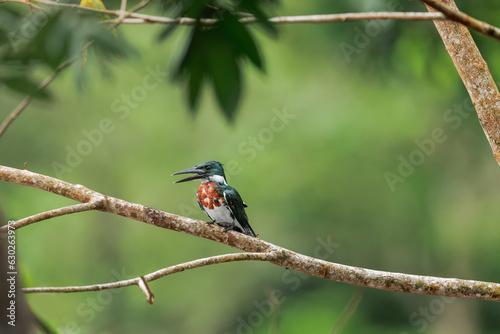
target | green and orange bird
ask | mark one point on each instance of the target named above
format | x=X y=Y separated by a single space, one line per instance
x=217 y=199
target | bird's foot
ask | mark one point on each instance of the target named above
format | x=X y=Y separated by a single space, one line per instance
x=231 y=227
x=211 y=223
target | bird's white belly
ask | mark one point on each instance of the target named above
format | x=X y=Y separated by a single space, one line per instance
x=221 y=215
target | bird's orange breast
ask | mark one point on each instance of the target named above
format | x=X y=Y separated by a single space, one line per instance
x=209 y=195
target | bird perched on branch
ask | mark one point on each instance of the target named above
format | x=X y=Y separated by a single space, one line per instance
x=217 y=199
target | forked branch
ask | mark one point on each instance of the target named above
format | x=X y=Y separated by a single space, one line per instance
x=450 y=10
x=428 y=285
x=142 y=281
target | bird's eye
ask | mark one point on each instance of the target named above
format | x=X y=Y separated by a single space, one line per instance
x=208 y=167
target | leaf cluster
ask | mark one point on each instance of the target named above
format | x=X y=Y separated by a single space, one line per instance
x=215 y=54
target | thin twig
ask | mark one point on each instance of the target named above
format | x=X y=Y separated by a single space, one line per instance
x=123 y=10
x=317 y=18
x=348 y=311
x=123 y=14
x=427 y=285
x=456 y=15
x=143 y=284
x=135 y=18
x=446 y=12
x=345 y=17
x=159 y=273
x=326 y=18
x=55 y=213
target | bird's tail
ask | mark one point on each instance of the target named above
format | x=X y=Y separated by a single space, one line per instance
x=248 y=231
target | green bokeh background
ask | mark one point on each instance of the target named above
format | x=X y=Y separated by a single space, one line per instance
x=317 y=177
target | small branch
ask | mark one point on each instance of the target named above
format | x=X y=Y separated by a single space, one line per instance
x=321 y=18
x=474 y=73
x=348 y=311
x=123 y=14
x=55 y=213
x=454 y=14
x=143 y=284
x=445 y=12
x=326 y=18
x=123 y=10
x=427 y=285
x=135 y=18
x=158 y=274
x=329 y=18
x=345 y=17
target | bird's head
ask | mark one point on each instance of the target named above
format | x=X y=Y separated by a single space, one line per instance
x=209 y=170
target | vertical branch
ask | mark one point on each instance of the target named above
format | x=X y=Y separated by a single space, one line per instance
x=475 y=75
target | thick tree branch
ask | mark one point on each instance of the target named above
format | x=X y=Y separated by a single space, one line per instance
x=474 y=73
x=428 y=285
x=142 y=281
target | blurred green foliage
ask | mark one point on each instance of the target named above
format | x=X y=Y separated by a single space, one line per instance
x=215 y=54
x=46 y=39
x=309 y=152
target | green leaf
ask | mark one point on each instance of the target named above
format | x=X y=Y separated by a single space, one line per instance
x=241 y=39
x=224 y=70
x=195 y=83
x=218 y=52
x=211 y=54
x=227 y=87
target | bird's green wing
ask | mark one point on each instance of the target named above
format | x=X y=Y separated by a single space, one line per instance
x=237 y=208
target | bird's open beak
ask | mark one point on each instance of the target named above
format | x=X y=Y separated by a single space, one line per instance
x=198 y=172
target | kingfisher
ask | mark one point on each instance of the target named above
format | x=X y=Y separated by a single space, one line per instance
x=217 y=199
